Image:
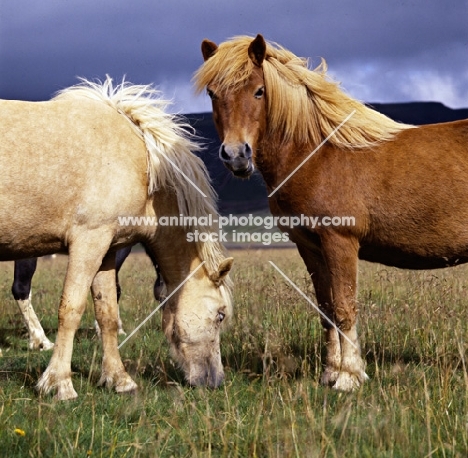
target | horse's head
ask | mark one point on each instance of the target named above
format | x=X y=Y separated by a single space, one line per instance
x=239 y=106
x=192 y=322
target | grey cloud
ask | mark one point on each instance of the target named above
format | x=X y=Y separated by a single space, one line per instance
x=45 y=45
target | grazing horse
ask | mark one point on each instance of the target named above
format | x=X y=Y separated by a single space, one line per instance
x=90 y=172
x=324 y=154
x=24 y=270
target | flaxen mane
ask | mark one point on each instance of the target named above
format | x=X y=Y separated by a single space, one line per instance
x=304 y=105
x=170 y=146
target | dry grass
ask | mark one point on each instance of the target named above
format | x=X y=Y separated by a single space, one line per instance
x=414 y=335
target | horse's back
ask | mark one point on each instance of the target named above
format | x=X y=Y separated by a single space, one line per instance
x=65 y=164
x=408 y=198
x=62 y=131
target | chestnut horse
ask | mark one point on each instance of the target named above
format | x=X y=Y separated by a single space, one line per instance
x=72 y=168
x=322 y=153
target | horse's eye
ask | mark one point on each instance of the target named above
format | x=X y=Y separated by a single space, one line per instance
x=259 y=93
x=211 y=94
x=221 y=316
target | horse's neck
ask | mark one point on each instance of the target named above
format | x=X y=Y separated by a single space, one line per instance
x=175 y=256
x=275 y=161
x=170 y=246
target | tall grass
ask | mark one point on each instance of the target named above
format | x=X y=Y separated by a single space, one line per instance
x=414 y=335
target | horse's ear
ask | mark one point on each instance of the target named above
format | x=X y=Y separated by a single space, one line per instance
x=222 y=272
x=208 y=48
x=257 y=50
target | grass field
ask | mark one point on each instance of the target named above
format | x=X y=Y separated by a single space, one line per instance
x=414 y=334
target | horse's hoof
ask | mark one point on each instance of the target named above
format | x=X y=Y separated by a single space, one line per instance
x=349 y=382
x=41 y=345
x=46 y=345
x=329 y=378
x=122 y=383
x=64 y=388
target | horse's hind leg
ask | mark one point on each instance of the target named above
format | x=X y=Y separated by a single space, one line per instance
x=21 y=289
x=86 y=252
x=105 y=304
x=120 y=257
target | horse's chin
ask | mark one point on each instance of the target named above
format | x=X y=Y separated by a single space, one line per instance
x=241 y=172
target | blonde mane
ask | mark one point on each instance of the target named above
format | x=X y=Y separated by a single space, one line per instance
x=170 y=146
x=304 y=106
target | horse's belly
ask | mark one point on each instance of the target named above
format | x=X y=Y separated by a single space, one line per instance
x=14 y=249
x=395 y=257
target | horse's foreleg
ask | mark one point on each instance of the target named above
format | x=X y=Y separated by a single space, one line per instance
x=105 y=304
x=340 y=254
x=320 y=277
x=86 y=252
x=21 y=289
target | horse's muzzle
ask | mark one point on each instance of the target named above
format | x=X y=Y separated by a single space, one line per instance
x=211 y=378
x=238 y=159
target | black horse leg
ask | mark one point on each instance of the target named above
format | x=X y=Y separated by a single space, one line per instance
x=158 y=288
x=120 y=257
x=21 y=289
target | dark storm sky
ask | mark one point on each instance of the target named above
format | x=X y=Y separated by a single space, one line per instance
x=381 y=51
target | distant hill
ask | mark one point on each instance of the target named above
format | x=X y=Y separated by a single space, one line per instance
x=420 y=113
x=248 y=196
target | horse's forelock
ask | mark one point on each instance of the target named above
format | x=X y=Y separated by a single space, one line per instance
x=228 y=68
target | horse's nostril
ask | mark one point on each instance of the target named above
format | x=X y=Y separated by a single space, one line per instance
x=247 y=151
x=223 y=154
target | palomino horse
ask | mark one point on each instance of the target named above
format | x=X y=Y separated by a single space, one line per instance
x=24 y=270
x=324 y=154
x=72 y=168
